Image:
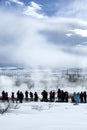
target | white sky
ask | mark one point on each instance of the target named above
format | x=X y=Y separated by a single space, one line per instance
x=37 y=39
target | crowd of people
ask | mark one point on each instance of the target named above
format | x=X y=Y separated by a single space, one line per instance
x=52 y=96
x=79 y=97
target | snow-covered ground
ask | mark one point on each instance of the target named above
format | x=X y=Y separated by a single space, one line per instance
x=44 y=116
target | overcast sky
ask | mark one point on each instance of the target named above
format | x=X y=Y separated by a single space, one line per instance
x=43 y=32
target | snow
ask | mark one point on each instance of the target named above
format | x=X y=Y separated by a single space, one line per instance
x=45 y=116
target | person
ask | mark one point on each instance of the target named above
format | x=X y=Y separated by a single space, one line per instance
x=26 y=95
x=66 y=96
x=18 y=94
x=44 y=96
x=76 y=98
x=21 y=97
x=51 y=96
x=3 y=95
x=35 y=97
x=12 y=97
x=31 y=96
x=84 y=96
x=62 y=95
x=81 y=97
x=59 y=95
x=6 y=96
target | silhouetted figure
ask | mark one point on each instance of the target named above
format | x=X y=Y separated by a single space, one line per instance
x=31 y=96
x=81 y=97
x=66 y=96
x=35 y=97
x=62 y=96
x=12 y=97
x=18 y=94
x=21 y=97
x=53 y=96
x=26 y=95
x=44 y=96
x=3 y=95
x=59 y=95
x=84 y=96
x=6 y=96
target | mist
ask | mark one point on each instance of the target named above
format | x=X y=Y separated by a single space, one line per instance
x=41 y=42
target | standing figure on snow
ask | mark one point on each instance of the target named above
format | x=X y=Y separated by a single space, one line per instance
x=62 y=95
x=59 y=95
x=35 y=97
x=18 y=94
x=81 y=97
x=84 y=96
x=6 y=96
x=31 y=96
x=3 y=95
x=26 y=95
x=21 y=97
x=51 y=96
x=66 y=96
x=12 y=97
x=44 y=96
x=76 y=97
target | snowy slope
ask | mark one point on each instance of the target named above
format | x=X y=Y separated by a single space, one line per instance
x=45 y=116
